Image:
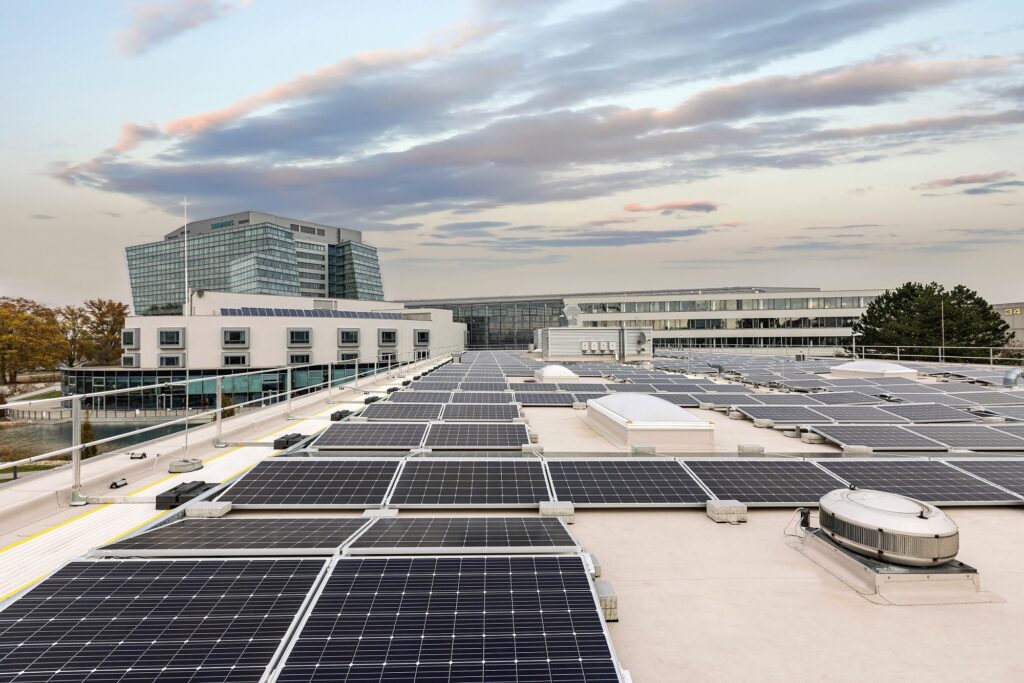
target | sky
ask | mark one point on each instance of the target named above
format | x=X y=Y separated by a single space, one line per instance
x=491 y=147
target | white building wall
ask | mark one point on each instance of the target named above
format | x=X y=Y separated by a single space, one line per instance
x=268 y=336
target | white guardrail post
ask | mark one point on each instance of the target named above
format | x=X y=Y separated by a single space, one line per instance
x=218 y=442
x=76 y=455
x=330 y=382
x=288 y=393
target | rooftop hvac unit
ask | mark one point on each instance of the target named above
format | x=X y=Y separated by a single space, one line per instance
x=889 y=527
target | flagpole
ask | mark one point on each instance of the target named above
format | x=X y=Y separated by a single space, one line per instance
x=185 y=310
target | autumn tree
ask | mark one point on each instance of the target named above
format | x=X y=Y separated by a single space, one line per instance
x=104 y=322
x=931 y=316
x=73 y=321
x=30 y=338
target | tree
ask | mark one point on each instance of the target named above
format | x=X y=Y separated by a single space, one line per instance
x=72 y=321
x=913 y=315
x=88 y=434
x=104 y=322
x=30 y=338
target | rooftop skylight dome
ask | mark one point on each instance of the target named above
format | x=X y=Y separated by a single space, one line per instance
x=873 y=368
x=633 y=420
x=555 y=373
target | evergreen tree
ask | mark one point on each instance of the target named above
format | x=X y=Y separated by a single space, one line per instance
x=88 y=434
x=913 y=314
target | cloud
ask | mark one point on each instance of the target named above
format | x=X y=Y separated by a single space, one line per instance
x=841 y=228
x=42 y=217
x=671 y=207
x=994 y=188
x=154 y=24
x=975 y=179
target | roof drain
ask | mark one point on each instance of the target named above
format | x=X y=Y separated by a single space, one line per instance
x=1011 y=377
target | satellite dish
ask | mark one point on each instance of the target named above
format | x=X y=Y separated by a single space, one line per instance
x=572 y=313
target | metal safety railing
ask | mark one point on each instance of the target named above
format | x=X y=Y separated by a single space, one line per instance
x=379 y=367
x=974 y=355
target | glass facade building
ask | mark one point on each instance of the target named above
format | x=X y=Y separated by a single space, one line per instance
x=253 y=253
x=720 y=317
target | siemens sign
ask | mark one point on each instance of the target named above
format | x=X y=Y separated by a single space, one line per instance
x=222 y=224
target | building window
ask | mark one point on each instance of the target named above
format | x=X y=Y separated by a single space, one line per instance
x=422 y=337
x=348 y=337
x=300 y=337
x=346 y=356
x=388 y=358
x=387 y=337
x=422 y=354
x=130 y=360
x=172 y=337
x=170 y=360
x=235 y=360
x=299 y=359
x=235 y=337
x=130 y=338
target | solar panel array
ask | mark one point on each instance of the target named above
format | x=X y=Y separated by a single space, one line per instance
x=371 y=435
x=488 y=482
x=306 y=313
x=227 y=536
x=454 y=619
x=313 y=482
x=926 y=480
x=131 y=620
x=431 y=535
x=624 y=482
x=764 y=482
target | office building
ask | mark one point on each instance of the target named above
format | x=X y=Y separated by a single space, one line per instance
x=230 y=333
x=1013 y=314
x=718 y=317
x=253 y=253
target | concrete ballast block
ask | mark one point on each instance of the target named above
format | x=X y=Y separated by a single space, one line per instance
x=374 y=513
x=208 y=509
x=749 y=448
x=608 y=599
x=731 y=511
x=185 y=465
x=564 y=510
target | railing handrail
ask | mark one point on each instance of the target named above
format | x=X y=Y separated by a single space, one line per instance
x=329 y=383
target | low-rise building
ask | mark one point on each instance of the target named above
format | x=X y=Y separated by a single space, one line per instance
x=230 y=334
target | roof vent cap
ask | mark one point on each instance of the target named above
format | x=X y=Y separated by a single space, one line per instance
x=889 y=527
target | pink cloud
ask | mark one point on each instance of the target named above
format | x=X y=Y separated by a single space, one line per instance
x=305 y=85
x=702 y=206
x=974 y=179
x=157 y=23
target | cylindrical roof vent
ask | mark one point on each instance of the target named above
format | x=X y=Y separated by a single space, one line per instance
x=889 y=527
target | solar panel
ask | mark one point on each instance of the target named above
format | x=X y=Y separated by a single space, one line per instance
x=402 y=411
x=453 y=619
x=420 y=397
x=533 y=386
x=476 y=435
x=513 y=482
x=764 y=482
x=1009 y=412
x=928 y=413
x=879 y=437
x=483 y=397
x=234 y=536
x=786 y=399
x=833 y=398
x=683 y=400
x=940 y=398
x=543 y=398
x=147 y=620
x=858 y=414
x=435 y=385
x=484 y=386
x=480 y=412
x=583 y=397
x=785 y=414
x=927 y=480
x=1015 y=429
x=634 y=482
x=1006 y=473
x=636 y=388
x=389 y=435
x=973 y=437
x=435 y=535
x=992 y=398
x=729 y=399
x=313 y=482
